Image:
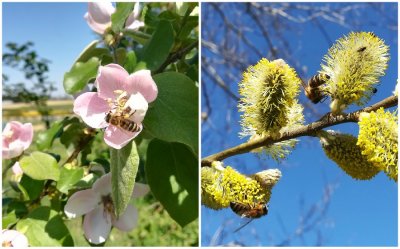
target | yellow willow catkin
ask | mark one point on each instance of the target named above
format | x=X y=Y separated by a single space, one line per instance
x=378 y=140
x=220 y=186
x=343 y=150
x=269 y=90
x=354 y=65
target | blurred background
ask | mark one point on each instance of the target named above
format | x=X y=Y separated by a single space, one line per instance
x=315 y=203
x=40 y=42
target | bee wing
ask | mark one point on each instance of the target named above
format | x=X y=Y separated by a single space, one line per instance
x=303 y=84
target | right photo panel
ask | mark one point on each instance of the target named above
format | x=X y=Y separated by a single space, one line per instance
x=299 y=124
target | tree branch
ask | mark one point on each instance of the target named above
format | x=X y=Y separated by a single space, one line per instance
x=173 y=57
x=307 y=130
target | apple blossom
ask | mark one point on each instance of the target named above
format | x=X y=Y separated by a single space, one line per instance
x=16 y=172
x=17 y=137
x=117 y=92
x=98 y=206
x=99 y=14
x=13 y=238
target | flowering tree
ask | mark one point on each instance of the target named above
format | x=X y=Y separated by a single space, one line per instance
x=135 y=131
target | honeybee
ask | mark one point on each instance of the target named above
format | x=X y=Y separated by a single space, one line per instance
x=122 y=121
x=313 y=90
x=249 y=211
x=362 y=49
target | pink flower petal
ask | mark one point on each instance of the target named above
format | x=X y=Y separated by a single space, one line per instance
x=16 y=169
x=26 y=135
x=96 y=27
x=117 y=137
x=135 y=25
x=92 y=109
x=140 y=190
x=133 y=16
x=142 y=82
x=14 y=149
x=138 y=103
x=81 y=203
x=110 y=78
x=97 y=225
x=16 y=138
x=14 y=237
x=101 y=11
x=103 y=185
x=128 y=220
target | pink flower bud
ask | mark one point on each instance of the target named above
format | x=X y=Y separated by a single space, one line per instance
x=17 y=137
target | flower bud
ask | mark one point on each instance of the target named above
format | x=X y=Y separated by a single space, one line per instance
x=269 y=91
x=354 y=64
x=378 y=138
x=343 y=150
x=267 y=179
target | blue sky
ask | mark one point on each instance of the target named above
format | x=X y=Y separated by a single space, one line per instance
x=360 y=213
x=58 y=30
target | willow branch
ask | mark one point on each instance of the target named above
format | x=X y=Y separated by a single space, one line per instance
x=306 y=130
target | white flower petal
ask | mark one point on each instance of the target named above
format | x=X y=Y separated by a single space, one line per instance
x=97 y=225
x=81 y=203
x=139 y=104
x=103 y=185
x=128 y=220
x=140 y=190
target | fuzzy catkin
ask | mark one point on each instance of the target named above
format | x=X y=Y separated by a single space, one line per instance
x=378 y=140
x=354 y=64
x=344 y=151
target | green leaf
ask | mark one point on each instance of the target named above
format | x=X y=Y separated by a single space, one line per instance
x=73 y=133
x=138 y=36
x=118 y=18
x=68 y=178
x=9 y=220
x=81 y=72
x=91 y=51
x=124 y=167
x=174 y=115
x=30 y=188
x=44 y=227
x=190 y=24
x=130 y=62
x=46 y=138
x=40 y=166
x=157 y=50
x=171 y=171
x=121 y=55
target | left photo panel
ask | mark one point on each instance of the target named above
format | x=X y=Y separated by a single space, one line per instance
x=100 y=124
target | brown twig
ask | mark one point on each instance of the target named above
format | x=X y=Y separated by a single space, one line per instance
x=84 y=141
x=173 y=57
x=307 y=130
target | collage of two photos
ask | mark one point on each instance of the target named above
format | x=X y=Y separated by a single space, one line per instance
x=199 y=124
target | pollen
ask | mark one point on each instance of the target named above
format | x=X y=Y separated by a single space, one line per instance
x=378 y=140
x=220 y=186
x=354 y=63
x=269 y=90
x=344 y=151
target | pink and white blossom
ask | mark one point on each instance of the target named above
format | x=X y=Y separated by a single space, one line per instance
x=97 y=205
x=99 y=14
x=13 y=238
x=117 y=91
x=16 y=172
x=17 y=137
